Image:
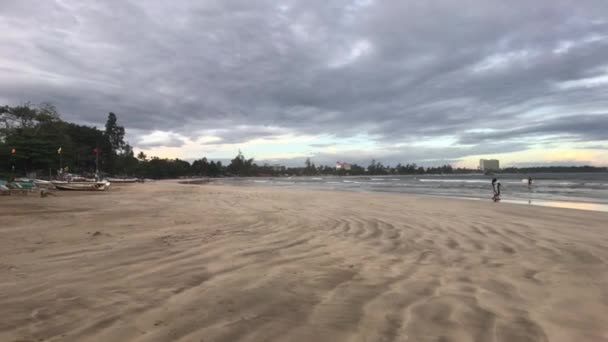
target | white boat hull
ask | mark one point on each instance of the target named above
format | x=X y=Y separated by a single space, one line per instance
x=82 y=186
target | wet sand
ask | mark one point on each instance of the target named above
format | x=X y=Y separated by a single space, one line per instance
x=172 y=262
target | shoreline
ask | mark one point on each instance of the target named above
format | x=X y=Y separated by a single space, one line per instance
x=589 y=205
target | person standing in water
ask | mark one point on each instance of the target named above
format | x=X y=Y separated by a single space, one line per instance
x=497 y=193
x=529 y=181
x=494 y=190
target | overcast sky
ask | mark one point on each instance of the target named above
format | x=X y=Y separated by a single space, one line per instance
x=525 y=81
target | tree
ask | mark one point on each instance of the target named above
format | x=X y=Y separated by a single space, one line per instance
x=119 y=158
x=215 y=169
x=47 y=113
x=371 y=169
x=115 y=133
x=142 y=156
x=35 y=133
x=310 y=168
x=239 y=166
x=79 y=148
x=200 y=167
x=126 y=161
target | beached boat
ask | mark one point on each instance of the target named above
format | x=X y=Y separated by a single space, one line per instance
x=22 y=183
x=21 y=186
x=82 y=186
x=4 y=189
x=44 y=184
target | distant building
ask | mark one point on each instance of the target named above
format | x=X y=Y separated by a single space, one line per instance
x=489 y=165
x=343 y=166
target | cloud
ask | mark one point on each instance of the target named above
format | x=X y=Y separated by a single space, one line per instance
x=400 y=72
x=574 y=127
x=321 y=145
x=160 y=138
x=560 y=163
x=243 y=134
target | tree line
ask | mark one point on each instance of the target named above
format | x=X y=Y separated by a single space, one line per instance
x=34 y=139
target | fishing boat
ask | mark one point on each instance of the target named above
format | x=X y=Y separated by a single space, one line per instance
x=21 y=186
x=4 y=189
x=82 y=186
x=23 y=183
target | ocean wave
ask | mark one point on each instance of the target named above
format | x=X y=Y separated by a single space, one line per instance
x=454 y=180
x=554 y=188
x=594 y=184
x=563 y=183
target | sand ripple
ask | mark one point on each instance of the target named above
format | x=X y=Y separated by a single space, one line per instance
x=168 y=262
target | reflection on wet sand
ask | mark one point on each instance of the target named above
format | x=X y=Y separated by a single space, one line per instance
x=563 y=204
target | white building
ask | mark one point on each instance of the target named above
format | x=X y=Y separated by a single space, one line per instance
x=343 y=166
x=489 y=164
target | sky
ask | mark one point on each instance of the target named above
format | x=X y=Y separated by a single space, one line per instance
x=431 y=82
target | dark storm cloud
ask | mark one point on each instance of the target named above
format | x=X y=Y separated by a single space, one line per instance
x=241 y=134
x=395 y=70
x=575 y=127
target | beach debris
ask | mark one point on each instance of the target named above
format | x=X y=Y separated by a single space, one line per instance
x=97 y=233
x=23 y=187
x=196 y=181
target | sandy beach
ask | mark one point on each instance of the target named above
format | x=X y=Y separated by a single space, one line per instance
x=170 y=262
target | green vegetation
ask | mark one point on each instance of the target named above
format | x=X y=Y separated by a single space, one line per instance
x=35 y=139
x=31 y=138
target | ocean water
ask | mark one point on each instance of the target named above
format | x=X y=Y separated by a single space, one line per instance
x=587 y=191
